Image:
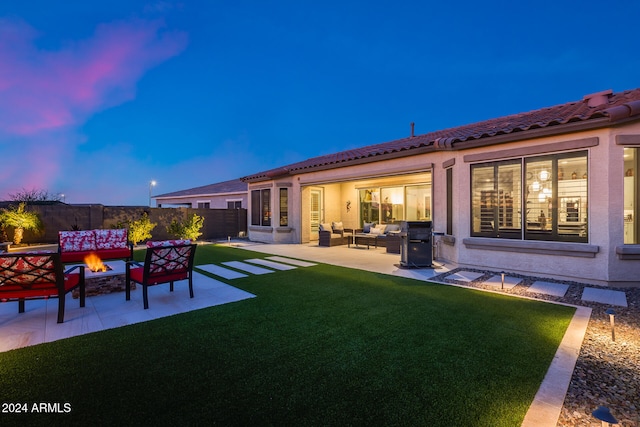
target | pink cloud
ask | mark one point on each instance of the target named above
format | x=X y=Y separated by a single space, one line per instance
x=45 y=95
x=42 y=90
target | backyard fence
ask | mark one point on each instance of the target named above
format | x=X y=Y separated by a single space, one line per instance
x=56 y=216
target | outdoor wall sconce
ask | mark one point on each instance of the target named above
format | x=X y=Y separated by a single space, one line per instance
x=612 y=314
x=604 y=415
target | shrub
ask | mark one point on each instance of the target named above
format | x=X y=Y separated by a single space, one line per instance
x=190 y=229
x=140 y=230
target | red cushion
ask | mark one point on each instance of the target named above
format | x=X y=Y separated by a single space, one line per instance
x=104 y=254
x=136 y=274
x=40 y=290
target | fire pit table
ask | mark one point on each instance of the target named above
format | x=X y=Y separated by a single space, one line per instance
x=104 y=282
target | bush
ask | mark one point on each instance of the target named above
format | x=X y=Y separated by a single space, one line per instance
x=190 y=229
x=141 y=229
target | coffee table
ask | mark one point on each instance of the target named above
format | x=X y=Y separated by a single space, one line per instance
x=365 y=239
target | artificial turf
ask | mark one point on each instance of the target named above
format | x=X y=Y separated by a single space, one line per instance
x=322 y=345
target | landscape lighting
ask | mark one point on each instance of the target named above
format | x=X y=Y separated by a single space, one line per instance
x=603 y=414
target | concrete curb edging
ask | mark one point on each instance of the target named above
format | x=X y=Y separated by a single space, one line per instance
x=547 y=404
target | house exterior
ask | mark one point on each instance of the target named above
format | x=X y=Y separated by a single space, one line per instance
x=223 y=195
x=552 y=192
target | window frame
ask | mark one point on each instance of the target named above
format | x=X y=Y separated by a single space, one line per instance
x=261 y=207
x=283 y=199
x=525 y=232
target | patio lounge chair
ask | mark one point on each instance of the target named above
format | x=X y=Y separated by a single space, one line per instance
x=40 y=275
x=165 y=262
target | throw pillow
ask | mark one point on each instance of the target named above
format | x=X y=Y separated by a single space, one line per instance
x=367 y=227
x=375 y=231
x=337 y=226
x=325 y=226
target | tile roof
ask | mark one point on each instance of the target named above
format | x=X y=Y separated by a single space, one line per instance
x=232 y=186
x=599 y=109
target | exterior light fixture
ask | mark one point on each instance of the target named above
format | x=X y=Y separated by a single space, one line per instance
x=152 y=184
x=502 y=274
x=604 y=415
x=612 y=315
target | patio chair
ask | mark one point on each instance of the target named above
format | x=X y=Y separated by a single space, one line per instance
x=38 y=275
x=165 y=262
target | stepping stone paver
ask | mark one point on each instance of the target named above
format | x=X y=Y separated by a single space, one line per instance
x=465 y=276
x=253 y=269
x=292 y=261
x=509 y=281
x=548 y=288
x=605 y=296
x=271 y=264
x=221 y=271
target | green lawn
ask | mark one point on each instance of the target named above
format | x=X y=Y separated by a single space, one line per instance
x=322 y=345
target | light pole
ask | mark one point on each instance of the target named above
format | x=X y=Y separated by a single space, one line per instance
x=152 y=184
x=62 y=197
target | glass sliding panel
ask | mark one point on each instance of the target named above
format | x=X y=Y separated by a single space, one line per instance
x=539 y=198
x=509 y=200
x=418 y=201
x=572 y=197
x=392 y=204
x=369 y=205
x=483 y=200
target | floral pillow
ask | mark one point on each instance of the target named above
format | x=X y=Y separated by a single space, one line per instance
x=155 y=244
x=111 y=239
x=77 y=241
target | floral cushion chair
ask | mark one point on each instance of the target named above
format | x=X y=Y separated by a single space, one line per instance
x=165 y=262
x=38 y=275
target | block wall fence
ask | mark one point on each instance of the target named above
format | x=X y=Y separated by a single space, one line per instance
x=218 y=223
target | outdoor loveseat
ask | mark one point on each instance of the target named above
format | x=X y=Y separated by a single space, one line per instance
x=334 y=234
x=74 y=246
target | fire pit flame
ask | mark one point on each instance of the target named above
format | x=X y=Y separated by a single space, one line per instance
x=95 y=264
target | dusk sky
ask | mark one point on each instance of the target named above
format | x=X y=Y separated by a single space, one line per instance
x=99 y=98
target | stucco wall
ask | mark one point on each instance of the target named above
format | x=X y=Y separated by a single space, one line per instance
x=593 y=262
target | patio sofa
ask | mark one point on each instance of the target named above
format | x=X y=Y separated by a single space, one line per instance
x=73 y=246
x=334 y=234
x=381 y=232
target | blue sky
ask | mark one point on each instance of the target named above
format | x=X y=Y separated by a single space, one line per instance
x=99 y=98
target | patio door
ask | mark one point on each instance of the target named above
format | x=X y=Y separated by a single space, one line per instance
x=315 y=213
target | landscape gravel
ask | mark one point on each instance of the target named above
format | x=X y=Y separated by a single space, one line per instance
x=607 y=372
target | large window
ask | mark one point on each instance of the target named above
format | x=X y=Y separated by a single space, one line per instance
x=261 y=207
x=537 y=198
x=631 y=196
x=386 y=205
